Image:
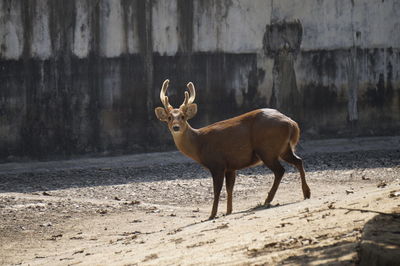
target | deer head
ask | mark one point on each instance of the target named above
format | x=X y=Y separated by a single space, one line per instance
x=177 y=118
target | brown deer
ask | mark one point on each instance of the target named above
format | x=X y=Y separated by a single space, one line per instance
x=260 y=136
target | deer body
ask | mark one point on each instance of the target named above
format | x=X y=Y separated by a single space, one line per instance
x=209 y=145
x=260 y=136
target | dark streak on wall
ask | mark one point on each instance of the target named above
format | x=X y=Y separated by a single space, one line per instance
x=282 y=41
x=185 y=31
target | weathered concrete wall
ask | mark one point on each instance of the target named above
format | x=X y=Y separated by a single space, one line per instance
x=79 y=77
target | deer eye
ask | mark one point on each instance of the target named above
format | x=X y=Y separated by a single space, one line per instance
x=169 y=118
x=183 y=117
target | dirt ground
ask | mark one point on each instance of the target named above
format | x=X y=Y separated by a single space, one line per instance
x=151 y=209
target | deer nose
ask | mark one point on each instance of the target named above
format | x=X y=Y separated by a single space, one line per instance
x=176 y=128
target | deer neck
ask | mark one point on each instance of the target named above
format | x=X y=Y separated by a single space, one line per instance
x=187 y=142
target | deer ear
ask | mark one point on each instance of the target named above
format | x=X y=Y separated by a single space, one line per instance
x=161 y=114
x=191 y=110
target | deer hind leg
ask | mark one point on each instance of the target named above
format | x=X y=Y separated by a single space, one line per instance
x=230 y=182
x=218 y=181
x=290 y=157
x=272 y=163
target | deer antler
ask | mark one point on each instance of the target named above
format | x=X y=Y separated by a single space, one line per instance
x=163 y=98
x=189 y=100
x=192 y=92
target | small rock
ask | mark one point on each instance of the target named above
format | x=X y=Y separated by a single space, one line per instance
x=331 y=205
x=46 y=224
x=365 y=178
x=283 y=225
x=133 y=202
x=153 y=209
x=394 y=194
x=382 y=184
x=349 y=191
x=102 y=211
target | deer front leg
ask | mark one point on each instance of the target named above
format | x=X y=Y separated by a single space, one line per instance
x=218 y=181
x=230 y=182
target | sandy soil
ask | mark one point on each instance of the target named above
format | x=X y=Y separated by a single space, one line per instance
x=124 y=211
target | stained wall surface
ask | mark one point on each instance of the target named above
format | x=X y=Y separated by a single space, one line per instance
x=83 y=77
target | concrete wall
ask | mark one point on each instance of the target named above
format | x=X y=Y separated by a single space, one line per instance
x=83 y=77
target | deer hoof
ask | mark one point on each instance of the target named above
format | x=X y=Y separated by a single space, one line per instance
x=306 y=191
x=307 y=194
x=267 y=205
